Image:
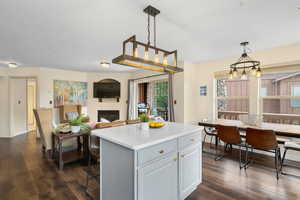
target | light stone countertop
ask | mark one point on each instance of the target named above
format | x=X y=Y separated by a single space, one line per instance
x=133 y=137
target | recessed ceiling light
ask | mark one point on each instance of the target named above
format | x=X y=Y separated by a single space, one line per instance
x=105 y=64
x=13 y=65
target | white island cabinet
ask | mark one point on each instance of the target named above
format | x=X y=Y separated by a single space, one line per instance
x=160 y=164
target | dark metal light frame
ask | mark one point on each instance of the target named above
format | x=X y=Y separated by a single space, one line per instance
x=245 y=62
x=139 y=62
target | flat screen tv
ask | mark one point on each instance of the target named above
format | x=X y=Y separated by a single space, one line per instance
x=107 y=88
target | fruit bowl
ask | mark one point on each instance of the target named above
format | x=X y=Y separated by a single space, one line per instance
x=156 y=124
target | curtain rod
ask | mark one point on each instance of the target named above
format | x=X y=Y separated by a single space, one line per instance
x=148 y=76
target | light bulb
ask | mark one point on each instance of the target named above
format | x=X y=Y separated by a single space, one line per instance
x=244 y=75
x=258 y=72
x=146 y=55
x=156 y=57
x=235 y=72
x=230 y=74
x=136 y=54
x=165 y=61
x=253 y=71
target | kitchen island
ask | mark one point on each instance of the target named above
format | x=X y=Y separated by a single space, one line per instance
x=156 y=164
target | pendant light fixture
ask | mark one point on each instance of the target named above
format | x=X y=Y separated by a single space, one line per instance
x=151 y=60
x=245 y=62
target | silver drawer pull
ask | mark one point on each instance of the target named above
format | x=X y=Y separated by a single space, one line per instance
x=182 y=155
x=161 y=151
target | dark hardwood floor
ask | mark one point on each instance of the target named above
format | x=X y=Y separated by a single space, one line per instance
x=25 y=174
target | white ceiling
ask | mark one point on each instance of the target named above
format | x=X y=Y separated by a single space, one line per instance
x=78 y=34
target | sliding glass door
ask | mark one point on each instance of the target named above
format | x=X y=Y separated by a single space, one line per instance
x=153 y=98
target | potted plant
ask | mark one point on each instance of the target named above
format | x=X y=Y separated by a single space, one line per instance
x=144 y=121
x=77 y=124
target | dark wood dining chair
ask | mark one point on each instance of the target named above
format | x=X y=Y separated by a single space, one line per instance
x=212 y=133
x=264 y=140
x=230 y=135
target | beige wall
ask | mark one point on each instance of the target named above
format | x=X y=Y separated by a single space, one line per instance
x=46 y=77
x=4 y=109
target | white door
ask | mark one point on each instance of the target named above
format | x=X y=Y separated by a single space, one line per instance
x=31 y=104
x=159 y=180
x=189 y=170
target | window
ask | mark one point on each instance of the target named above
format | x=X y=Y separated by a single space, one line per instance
x=282 y=103
x=274 y=98
x=295 y=92
x=161 y=96
x=263 y=92
x=232 y=98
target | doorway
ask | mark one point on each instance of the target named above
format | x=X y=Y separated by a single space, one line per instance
x=31 y=104
x=22 y=101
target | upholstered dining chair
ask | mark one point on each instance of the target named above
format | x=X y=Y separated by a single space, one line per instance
x=94 y=156
x=44 y=118
x=263 y=140
x=230 y=135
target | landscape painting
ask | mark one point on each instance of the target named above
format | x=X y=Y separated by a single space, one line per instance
x=70 y=93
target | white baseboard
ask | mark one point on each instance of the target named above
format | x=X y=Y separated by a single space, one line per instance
x=20 y=133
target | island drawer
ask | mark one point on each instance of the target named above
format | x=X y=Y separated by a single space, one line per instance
x=191 y=139
x=156 y=151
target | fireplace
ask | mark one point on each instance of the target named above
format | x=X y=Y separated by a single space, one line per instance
x=111 y=115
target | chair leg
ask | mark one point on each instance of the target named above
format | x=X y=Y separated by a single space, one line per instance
x=219 y=156
x=211 y=138
x=247 y=160
x=204 y=139
x=240 y=157
x=279 y=159
x=276 y=163
x=282 y=161
x=88 y=176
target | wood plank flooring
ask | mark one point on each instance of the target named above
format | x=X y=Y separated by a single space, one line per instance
x=26 y=175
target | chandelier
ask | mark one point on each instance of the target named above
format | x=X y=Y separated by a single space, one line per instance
x=155 y=59
x=245 y=63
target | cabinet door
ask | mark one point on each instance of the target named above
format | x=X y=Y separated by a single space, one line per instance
x=189 y=170
x=159 y=180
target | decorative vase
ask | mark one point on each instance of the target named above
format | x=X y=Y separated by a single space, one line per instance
x=75 y=129
x=144 y=126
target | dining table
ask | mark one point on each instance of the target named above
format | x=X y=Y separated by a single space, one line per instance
x=284 y=132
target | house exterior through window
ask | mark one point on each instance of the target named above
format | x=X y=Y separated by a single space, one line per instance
x=275 y=100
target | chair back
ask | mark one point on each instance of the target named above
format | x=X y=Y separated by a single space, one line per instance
x=110 y=124
x=44 y=117
x=134 y=121
x=64 y=109
x=261 y=139
x=229 y=134
x=95 y=141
